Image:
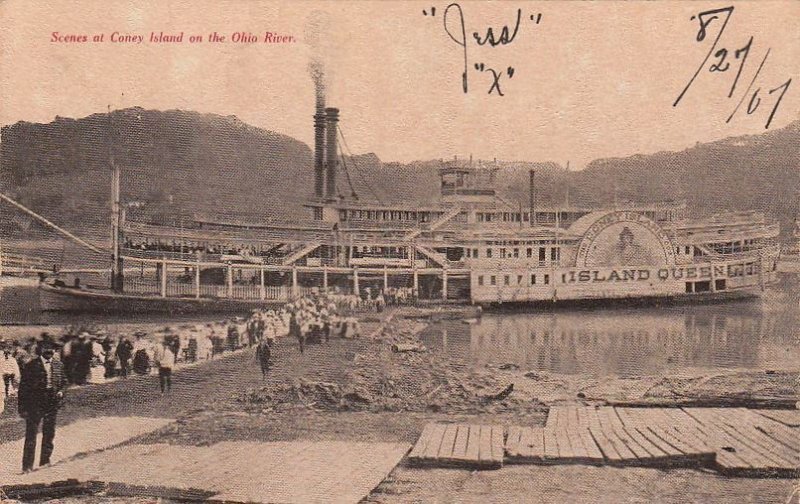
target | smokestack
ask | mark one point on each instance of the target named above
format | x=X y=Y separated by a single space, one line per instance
x=332 y=156
x=319 y=147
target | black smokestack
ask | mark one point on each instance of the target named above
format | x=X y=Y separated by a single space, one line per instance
x=332 y=156
x=319 y=145
x=317 y=37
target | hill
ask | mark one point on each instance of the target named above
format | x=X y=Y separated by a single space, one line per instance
x=184 y=162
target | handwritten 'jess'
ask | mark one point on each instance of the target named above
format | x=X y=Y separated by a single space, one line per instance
x=455 y=28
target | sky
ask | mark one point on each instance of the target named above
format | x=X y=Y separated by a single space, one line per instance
x=590 y=80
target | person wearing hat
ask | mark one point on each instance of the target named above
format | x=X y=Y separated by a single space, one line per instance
x=124 y=353
x=82 y=357
x=141 y=354
x=41 y=392
x=164 y=359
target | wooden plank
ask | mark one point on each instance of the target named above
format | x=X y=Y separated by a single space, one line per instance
x=632 y=421
x=523 y=447
x=553 y=416
x=432 y=449
x=580 y=452
x=551 y=451
x=460 y=445
x=625 y=452
x=565 y=450
x=643 y=455
x=573 y=422
x=690 y=431
x=498 y=450
x=422 y=443
x=594 y=455
x=685 y=422
x=530 y=449
x=789 y=418
x=653 y=449
x=485 y=451
x=513 y=440
x=535 y=443
x=448 y=442
x=473 y=444
x=606 y=446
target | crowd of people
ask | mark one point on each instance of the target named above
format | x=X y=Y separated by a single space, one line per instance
x=39 y=370
x=90 y=355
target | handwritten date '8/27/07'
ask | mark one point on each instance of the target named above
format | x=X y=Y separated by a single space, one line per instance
x=724 y=60
x=458 y=33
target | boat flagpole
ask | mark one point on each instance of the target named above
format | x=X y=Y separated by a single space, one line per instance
x=116 y=259
x=532 y=198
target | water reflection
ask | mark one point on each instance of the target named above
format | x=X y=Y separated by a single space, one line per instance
x=759 y=333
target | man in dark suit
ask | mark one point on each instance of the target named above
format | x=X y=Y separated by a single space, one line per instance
x=41 y=391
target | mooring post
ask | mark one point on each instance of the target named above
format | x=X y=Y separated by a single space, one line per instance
x=263 y=291
x=229 y=281
x=295 y=287
x=163 y=277
x=197 y=280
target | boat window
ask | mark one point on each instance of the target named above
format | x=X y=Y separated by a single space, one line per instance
x=703 y=286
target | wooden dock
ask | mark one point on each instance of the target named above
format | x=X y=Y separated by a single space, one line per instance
x=297 y=471
x=735 y=441
x=459 y=445
x=84 y=436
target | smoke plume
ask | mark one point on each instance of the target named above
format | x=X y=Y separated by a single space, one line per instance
x=317 y=36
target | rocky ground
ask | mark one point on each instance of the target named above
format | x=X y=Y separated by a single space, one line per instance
x=388 y=386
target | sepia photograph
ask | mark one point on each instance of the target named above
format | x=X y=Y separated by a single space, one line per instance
x=400 y=251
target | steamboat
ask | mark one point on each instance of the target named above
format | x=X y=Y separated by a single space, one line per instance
x=469 y=245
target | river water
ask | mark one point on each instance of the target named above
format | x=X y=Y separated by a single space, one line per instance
x=760 y=333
